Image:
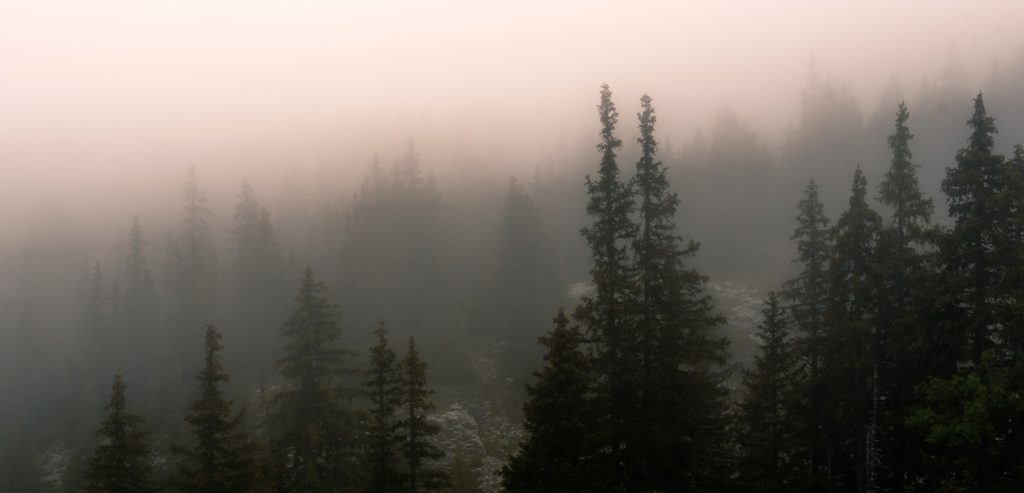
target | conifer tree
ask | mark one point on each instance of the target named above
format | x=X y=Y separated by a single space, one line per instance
x=807 y=299
x=121 y=462
x=421 y=454
x=766 y=428
x=221 y=460
x=194 y=279
x=140 y=295
x=558 y=446
x=607 y=314
x=383 y=388
x=96 y=316
x=972 y=251
x=903 y=273
x=680 y=397
x=257 y=276
x=313 y=438
x=851 y=343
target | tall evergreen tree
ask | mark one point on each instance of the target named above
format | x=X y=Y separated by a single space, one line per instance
x=257 y=276
x=96 y=315
x=221 y=460
x=526 y=285
x=851 y=343
x=121 y=462
x=765 y=425
x=558 y=446
x=383 y=388
x=807 y=300
x=972 y=251
x=421 y=454
x=140 y=295
x=194 y=286
x=607 y=314
x=313 y=437
x=902 y=297
x=680 y=396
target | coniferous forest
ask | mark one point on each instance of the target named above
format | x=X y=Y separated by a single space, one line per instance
x=835 y=308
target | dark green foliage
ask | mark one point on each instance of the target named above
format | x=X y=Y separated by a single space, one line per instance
x=558 y=447
x=421 y=454
x=383 y=388
x=807 y=300
x=222 y=458
x=680 y=398
x=766 y=429
x=121 y=462
x=607 y=314
x=970 y=423
x=312 y=435
x=973 y=252
x=903 y=275
x=851 y=345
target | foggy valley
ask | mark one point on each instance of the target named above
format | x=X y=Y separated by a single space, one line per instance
x=511 y=247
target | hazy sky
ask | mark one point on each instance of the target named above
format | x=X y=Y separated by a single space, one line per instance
x=99 y=95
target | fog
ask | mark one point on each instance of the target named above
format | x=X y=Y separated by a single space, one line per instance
x=428 y=161
x=104 y=95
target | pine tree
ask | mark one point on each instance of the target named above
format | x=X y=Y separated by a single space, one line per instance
x=851 y=343
x=607 y=314
x=313 y=437
x=96 y=316
x=900 y=336
x=526 y=285
x=807 y=297
x=257 y=277
x=140 y=295
x=221 y=461
x=680 y=397
x=971 y=251
x=194 y=281
x=554 y=456
x=421 y=454
x=121 y=463
x=766 y=428
x=384 y=391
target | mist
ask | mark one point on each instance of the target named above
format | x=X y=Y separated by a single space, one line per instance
x=165 y=166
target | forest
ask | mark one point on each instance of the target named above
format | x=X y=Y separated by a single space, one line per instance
x=514 y=263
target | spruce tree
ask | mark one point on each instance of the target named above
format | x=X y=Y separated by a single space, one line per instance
x=257 y=281
x=121 y=462
x=851 y=343
x=765 y=424
x=194 y=279
x=807 y=297
x=971 y=252
x=902 y=297
x=221 y=460
x=383 y=388
x=421 y=454
x=680 y=396
x=607 y=313
x=558 y=446
x=96 y=315
x=313 y=437
x=140 y=295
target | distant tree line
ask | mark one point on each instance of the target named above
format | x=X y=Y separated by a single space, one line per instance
x=311 y=437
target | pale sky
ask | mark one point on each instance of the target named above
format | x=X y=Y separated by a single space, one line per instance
x=99 y=96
